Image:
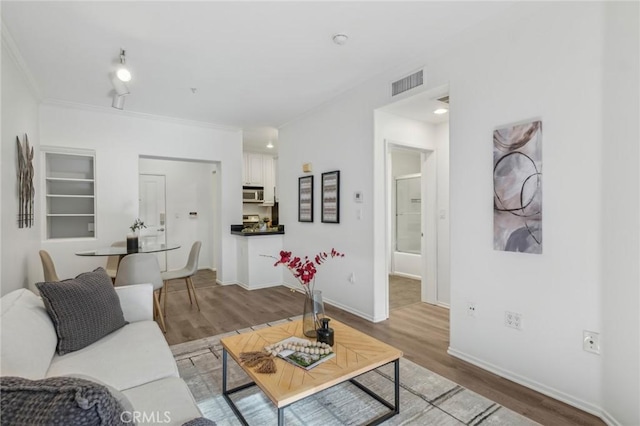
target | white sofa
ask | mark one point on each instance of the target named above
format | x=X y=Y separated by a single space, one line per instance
x=134 y=359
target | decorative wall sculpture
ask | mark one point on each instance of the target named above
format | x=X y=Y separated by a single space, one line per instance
x=517 y=188
x=26 y=190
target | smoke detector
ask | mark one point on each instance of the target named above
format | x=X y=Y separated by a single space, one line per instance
x=340 y=39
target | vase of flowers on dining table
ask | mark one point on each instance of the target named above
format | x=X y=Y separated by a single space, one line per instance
x=133 y=238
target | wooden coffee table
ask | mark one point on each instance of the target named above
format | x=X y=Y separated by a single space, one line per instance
x=356 y=354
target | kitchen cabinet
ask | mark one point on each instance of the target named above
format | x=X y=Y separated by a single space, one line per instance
x=275 y=180
x=253 y=170
x=69 y=195
x=269 y=180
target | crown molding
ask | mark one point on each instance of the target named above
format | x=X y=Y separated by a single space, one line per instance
x=12 y=49
x=140 y=115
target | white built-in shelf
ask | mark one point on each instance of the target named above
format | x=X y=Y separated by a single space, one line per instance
x=70 y=215
x=56 y=179
x=69 y=194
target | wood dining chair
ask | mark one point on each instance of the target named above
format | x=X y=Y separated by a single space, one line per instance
x=48 y=267
x=185 y=273
x=114 y=261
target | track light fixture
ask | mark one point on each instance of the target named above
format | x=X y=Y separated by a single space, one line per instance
x=123 y=72
x=118 y=101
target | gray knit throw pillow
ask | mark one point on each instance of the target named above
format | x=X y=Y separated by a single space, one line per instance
x=83 y=309
x=58 y=401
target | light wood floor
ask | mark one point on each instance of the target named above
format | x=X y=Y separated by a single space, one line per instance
x=420 y=330
x=403 y=291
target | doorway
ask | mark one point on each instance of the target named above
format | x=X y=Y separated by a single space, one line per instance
x=192 y=208
x=411 y=124
x=405 y=271
x=152 y=212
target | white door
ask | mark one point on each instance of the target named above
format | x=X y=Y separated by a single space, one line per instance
x=152 y=212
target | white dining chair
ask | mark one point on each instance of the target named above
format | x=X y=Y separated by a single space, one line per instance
x=185 y=273
x=142 y=268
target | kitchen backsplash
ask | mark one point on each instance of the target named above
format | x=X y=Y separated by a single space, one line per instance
x=248 y=208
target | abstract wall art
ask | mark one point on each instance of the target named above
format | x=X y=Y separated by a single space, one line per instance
x=305 y=199
x=331 y=197
x=517 y=188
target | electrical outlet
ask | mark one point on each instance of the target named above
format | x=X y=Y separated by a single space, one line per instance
x=471 y=309
x=513 y=320
x=591 y=342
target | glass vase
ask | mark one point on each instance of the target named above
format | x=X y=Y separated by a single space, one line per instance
x=313 y=313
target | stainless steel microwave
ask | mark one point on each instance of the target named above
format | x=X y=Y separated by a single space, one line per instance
x=252 y=194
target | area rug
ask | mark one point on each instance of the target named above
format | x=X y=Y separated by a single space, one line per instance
x=425 y=397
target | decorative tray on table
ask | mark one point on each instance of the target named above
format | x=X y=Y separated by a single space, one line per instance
x=301 y=352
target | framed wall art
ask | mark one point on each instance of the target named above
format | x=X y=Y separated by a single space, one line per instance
x=517 y=188
x=331 y=197
x=305 y=199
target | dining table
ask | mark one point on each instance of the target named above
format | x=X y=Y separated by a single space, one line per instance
x=122 y=251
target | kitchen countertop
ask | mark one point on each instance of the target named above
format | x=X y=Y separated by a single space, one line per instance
x=237 y=230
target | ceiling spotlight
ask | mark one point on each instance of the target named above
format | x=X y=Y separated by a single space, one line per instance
x=118 y=101
x=123 y=72
x=440 y=111
x=340 y=39
x=270 y=145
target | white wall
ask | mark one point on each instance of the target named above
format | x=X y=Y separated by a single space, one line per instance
x=189 y=188
x=19 y=249
x=621 y=243
x=332 y=138
x=522 y=68
x=444 y=265
x=405 y=163
x=523 y=65
x=119 y=140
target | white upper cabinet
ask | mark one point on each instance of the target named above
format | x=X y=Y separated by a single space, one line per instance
x=260 y=170
x=269 y=180
x=253 y=171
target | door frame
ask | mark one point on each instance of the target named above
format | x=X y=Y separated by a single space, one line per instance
x=428 y=246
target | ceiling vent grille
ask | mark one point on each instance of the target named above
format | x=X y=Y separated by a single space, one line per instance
x=407 y=83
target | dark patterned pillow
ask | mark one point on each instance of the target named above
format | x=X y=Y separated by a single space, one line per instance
x=200 y=421
x=83 y=309
x=58 y=400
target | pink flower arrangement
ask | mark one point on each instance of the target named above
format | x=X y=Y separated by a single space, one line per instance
x=305 y=269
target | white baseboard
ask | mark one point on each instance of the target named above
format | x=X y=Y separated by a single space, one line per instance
x=538 y=387
x=609 y=419
x=402 y=274
x=246 y=287
x=339 y=305
x=443 y=305
x=225 y=282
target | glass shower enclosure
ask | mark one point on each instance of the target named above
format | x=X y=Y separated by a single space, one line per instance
x=408 y=213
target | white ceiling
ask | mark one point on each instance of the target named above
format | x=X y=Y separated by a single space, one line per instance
x=256 y=65
x=420 y=107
